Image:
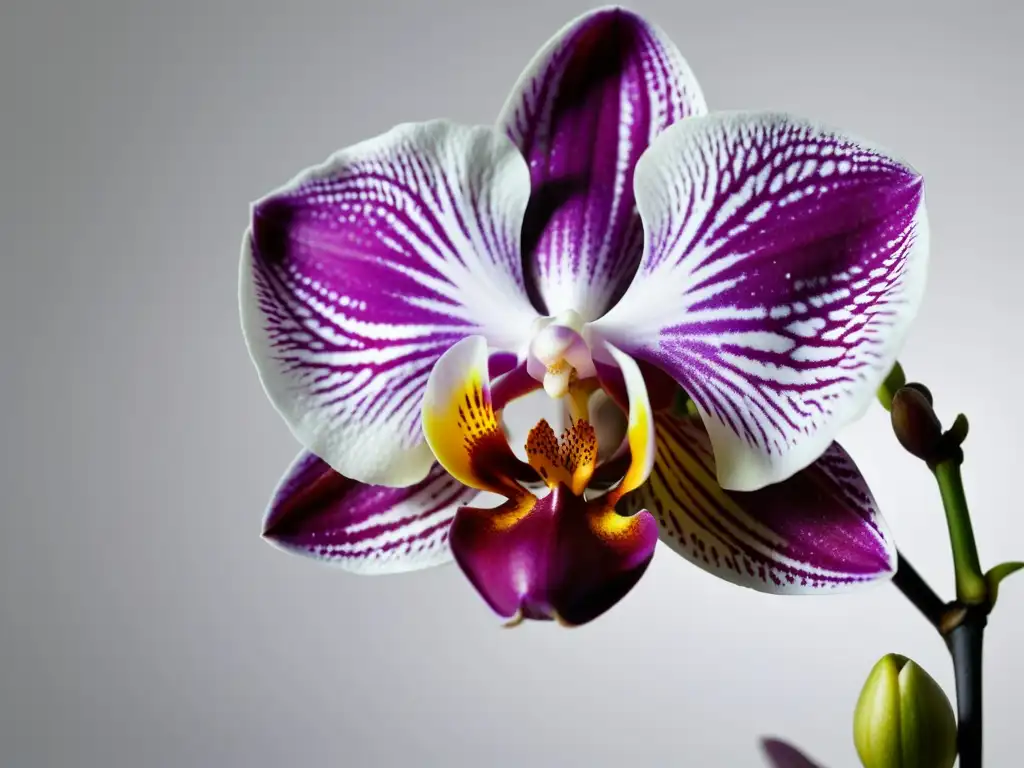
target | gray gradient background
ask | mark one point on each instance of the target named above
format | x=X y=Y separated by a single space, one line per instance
x=144 y=622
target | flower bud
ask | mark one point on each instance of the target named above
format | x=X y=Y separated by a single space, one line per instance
x=914 y=421
x=923 y=390
x=903 y=719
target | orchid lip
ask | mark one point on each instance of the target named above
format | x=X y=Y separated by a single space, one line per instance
x=556 y=558
x=562 y=555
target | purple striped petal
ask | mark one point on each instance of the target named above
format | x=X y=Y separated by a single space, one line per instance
x=369 y=529
x=358 y=274
x=553 y=558
x=783 y=265
x=582 y=113
x=820 y=531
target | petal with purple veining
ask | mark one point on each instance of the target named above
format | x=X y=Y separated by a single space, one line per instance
x=582 y=113
x=783 y=264
x=358 y=274
x=317 y=513
x=820 y=531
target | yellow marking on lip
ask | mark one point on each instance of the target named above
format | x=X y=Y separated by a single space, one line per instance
x=468 y=441
x=459 y=424
x=610 y=525
x=569 y=461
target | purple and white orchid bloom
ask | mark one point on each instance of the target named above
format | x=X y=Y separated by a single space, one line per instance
x=608 y=231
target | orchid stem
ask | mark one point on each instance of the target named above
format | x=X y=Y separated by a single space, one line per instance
x=965 y=639
x=908 y=581
x=961 y=623
x=964 y=642
x=965 y=645
x=971 y=587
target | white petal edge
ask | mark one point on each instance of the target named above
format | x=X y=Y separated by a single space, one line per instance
x=640 y=314
x=393 y=453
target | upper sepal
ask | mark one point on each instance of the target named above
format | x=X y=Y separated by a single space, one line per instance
x=582 y=113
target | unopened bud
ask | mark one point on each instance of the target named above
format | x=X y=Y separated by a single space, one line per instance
x=903 y=719
x=916 y=385
x=915 y=423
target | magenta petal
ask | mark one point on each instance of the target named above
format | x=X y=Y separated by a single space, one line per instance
x=318 y=513
x=360 y=273
x=782 y=754
x=582 y=113
x=784 y=263
x=553 y=558
x=501 y=363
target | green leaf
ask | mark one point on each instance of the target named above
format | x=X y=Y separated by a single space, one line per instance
x=893 y=383
x=958 y=432
x=996 y=574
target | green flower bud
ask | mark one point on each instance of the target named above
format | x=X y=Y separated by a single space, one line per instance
x=903 y=719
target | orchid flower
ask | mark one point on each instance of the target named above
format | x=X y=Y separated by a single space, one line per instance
x=607 y=235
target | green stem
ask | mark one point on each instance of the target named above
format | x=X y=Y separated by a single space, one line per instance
x=971 y=588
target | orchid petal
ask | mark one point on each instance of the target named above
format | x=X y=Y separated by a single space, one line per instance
x=610 y=424
x=782 y=754
x=820 y=531
x=461 y=427
x=783 y=264
x=639 y=427
x=317 y=513
x=582 y=113
x=559 y=557
x=358 y=274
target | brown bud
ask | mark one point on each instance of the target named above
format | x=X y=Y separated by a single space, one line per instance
x=916 y=426
x=918 y=386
